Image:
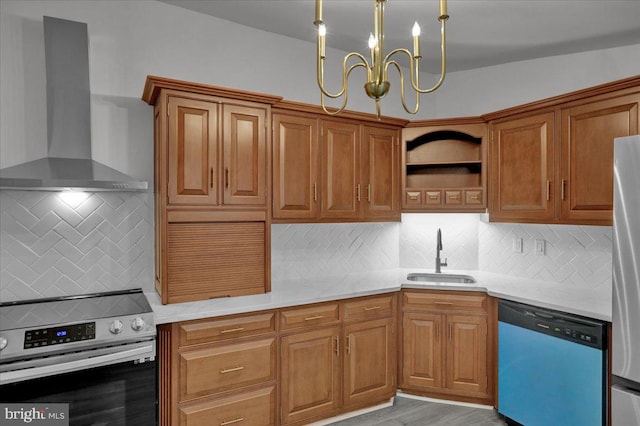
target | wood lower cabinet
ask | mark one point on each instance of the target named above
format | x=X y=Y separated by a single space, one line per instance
x=369 y=363
x=310 y=374
x=219 y=371
x=253 y=408
x=337 y=357
x=449 y=346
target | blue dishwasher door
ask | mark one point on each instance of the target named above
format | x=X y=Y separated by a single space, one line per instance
x=547 y=381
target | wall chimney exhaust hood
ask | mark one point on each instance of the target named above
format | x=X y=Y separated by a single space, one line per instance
x=68 y=165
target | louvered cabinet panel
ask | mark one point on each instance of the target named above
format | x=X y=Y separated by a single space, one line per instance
x=215 y=259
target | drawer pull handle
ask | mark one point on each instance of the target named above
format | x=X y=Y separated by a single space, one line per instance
x=230 y=422
x=443 y=303
x=371 y=308
x=231 y=330
x=474 y=197
x=315 y=191
x=413 y=197
x=315 y=317
x=349 y=344
x=212 y=177
x=231 y=370
x=433 y=197
x=454 y=197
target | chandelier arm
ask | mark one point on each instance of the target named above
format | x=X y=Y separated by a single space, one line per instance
x=443 y=63
x=404 y=105
x=345 y=74
x=344 y=91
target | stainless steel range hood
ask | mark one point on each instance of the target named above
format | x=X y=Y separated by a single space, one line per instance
x=68 y=164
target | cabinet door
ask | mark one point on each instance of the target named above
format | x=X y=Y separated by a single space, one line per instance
x=586 y=178
x=380 y=171
x=466 y=365
x=295 y=167
x=369 y=364
x=521 y=166
x=341 y=187
x=310 y=374
x=245 y=155
x=422 y=347
x=193 y=136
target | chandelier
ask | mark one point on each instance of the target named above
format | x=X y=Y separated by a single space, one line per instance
x=377 y=66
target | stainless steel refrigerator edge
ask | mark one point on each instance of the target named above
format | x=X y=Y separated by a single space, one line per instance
x=625 y=392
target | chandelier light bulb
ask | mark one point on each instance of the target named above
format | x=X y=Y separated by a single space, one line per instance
x=322 y=30
x=415 y=31
x=372 y=41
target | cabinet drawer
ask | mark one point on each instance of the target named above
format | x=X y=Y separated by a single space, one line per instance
x=453 y=197
x=473 y=197
x=226 y=328
x=219 y=368
x=433 y=197
x=445 y=301
x=413 y=198
x=311 y=316
x=369 y=307
x=255 y=408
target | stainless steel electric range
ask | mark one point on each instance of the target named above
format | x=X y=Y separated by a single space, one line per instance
x=94 y=352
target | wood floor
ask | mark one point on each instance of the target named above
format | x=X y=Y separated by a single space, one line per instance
x=412 y=412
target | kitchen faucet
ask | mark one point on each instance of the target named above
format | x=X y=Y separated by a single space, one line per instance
x=438 y=248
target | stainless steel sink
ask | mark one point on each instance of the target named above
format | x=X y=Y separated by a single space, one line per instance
x=442 y=278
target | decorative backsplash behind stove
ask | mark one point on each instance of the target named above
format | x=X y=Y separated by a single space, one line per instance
x=57 y=244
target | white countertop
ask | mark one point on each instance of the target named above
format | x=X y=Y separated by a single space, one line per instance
x=592 y=303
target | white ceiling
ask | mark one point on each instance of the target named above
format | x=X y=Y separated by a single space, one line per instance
x=479 y=32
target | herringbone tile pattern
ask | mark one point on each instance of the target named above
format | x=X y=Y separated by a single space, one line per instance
x=52 y=245
x=577 y=255
x=310 y=250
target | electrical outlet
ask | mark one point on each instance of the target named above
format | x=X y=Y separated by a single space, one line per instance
x=540 y=247
x=517 y=245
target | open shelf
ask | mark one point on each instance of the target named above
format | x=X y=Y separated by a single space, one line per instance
x=440 y=165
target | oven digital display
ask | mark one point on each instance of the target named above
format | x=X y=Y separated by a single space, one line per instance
x=57 y=335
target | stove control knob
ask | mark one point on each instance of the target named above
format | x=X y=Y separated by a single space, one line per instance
x=3 y=342
x=116 y=327
x=137 y=324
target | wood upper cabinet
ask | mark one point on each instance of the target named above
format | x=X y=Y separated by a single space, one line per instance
x=522 y=168
x=380 y=172
x=216 y=148
x=245 y=155
x=443 y=165
x=334 y=170
x=554 y=163
x=448 y=343
x=295 y=167
x=310 y=374
x=340 y=170
x=193 y=151
x=586 y=169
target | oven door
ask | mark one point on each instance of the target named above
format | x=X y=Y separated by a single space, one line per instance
x=122 y=393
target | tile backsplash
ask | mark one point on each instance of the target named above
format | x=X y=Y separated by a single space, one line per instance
x=55 y=244
x=307 y=250
x=573 y=255
x=52 y=246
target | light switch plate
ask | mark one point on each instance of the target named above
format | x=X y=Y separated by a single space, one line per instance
x=517 y=245
x=540 y=247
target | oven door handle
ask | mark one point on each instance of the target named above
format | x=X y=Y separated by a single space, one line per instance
x=81 y=364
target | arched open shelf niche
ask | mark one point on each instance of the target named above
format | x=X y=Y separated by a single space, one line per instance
x=444 y=171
